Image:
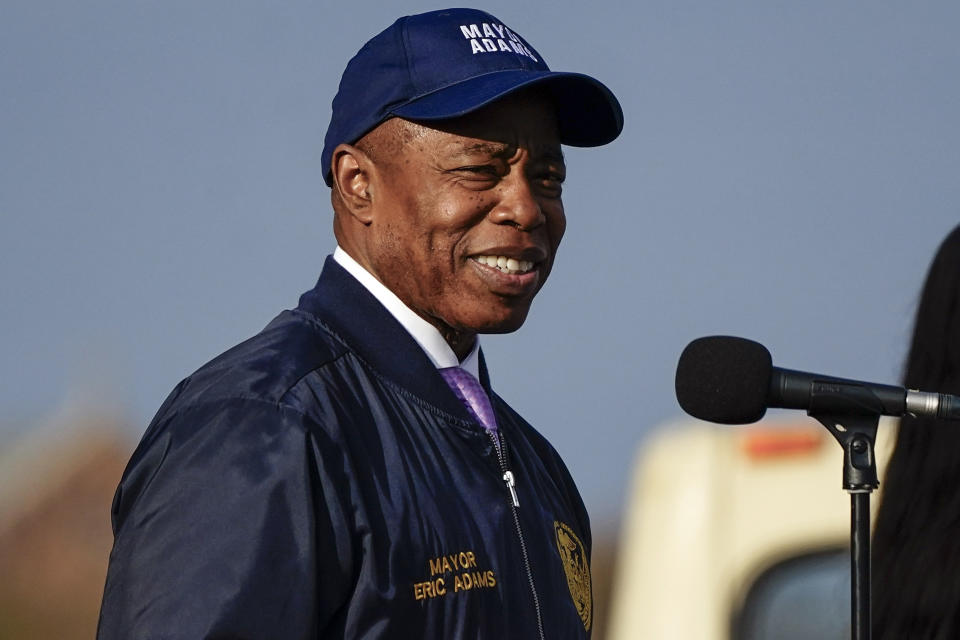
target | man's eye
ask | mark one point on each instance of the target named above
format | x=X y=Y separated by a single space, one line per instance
x=482 y=170
x=552 y=183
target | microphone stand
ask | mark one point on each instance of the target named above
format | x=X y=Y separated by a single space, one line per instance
x=856 y=432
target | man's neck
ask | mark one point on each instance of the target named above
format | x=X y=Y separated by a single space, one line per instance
x=462 y=343
x=448 y=349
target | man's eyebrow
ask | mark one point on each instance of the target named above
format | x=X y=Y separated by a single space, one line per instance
x=550 y=153
x=490 y=148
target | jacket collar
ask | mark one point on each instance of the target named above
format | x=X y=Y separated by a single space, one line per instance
x=353 y=313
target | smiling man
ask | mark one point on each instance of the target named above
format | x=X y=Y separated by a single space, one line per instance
x=349 y=472
x=463 y=224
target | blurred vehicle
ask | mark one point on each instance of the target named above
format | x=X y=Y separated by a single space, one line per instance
x=738 y=533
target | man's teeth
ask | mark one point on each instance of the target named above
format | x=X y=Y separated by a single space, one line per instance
x=505 y=264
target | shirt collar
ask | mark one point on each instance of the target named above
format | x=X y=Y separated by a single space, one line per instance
x=424 y=333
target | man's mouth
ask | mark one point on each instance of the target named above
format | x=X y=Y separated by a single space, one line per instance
x=510 y=266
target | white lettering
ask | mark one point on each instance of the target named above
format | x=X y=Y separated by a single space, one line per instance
x=470 y=32
x=484 y=39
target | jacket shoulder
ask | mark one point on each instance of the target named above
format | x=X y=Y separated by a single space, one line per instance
x=264 y=367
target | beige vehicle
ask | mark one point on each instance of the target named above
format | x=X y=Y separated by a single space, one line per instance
x=738 y=533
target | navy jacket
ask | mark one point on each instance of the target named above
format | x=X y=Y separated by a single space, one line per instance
x=320 y=480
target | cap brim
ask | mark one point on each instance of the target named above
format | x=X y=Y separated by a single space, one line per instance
x=588 y=114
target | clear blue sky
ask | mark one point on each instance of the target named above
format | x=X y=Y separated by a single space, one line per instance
x=786 y=172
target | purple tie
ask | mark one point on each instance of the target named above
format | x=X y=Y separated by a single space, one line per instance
x=469 y=391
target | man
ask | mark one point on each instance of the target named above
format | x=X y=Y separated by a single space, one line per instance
x=349 y=472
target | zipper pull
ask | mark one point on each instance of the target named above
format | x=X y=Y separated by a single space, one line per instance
x=511 y=484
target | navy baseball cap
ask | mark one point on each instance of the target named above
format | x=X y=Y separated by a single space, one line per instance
x=445 y=64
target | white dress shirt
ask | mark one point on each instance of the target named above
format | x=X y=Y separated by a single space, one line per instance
x=426 y=335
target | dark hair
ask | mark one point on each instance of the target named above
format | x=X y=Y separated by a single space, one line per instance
x=916 y=544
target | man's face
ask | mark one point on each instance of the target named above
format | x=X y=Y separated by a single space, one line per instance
x=469 y=217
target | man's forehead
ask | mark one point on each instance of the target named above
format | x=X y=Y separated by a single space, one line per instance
x=496 y=129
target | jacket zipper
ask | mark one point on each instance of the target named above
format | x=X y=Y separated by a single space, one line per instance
x=501 y=446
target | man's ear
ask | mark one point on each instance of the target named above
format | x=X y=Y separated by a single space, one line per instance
x=352 y=169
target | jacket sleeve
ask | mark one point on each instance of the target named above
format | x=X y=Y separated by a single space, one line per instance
x=228 y=523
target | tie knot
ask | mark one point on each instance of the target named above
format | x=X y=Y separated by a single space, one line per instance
x=472 y=394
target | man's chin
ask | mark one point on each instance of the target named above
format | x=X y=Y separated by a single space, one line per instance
x=507 y=323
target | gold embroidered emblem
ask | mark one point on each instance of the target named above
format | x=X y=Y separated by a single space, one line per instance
x=576 y=567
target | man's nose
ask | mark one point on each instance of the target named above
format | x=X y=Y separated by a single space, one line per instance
x=518 y=204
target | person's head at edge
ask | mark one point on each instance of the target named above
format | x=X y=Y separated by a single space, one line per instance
x=915 y=549
x=446 y=170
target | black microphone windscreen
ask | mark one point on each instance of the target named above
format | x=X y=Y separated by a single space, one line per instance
x=724 y=379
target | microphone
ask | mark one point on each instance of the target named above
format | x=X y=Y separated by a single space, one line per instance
x=733 y=381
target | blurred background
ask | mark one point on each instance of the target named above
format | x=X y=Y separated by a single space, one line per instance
x=786 y=173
